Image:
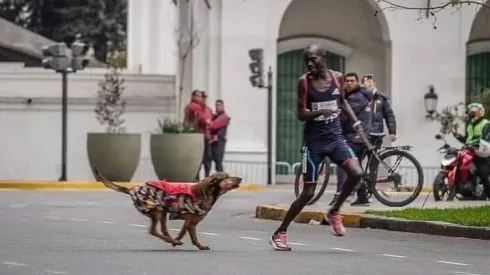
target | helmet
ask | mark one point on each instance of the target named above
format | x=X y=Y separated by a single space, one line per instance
x=475 y=110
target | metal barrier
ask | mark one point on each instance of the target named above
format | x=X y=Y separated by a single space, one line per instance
x=256 y=172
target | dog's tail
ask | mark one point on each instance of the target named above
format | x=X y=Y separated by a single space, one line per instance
x=108 y=183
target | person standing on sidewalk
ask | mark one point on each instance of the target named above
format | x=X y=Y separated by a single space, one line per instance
x=196 y=114
x=359 y=99
x=382 y=112
x=219 y=128
x=209 y=137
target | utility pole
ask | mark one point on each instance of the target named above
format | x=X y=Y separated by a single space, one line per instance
x=56 y=58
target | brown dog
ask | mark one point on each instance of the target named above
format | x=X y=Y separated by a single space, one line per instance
x=191 y=202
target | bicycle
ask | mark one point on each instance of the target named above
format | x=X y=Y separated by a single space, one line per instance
x=374 y=159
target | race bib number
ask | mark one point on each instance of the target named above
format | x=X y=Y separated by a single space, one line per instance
x=326 y=105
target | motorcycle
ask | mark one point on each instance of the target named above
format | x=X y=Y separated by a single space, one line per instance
x=458 y=174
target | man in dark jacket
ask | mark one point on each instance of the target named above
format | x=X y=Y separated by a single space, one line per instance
x=359 y=99
x=219 y=128
x=381 y=109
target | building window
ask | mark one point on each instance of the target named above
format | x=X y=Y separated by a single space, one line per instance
x=478 y=80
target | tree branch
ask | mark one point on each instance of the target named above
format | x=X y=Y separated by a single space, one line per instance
x=430 y=10
x=187 y=38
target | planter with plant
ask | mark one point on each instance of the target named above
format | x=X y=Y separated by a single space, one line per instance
x=115 y=153
x=176 y=150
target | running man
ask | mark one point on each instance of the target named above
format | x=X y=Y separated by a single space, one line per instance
x=319 y=99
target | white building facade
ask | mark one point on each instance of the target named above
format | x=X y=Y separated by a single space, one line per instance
x=400 y=47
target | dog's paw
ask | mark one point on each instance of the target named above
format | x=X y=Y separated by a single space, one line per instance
x=176 y=243
x=204 y=248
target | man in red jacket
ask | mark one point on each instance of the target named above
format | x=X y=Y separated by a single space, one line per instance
x=219 y=128
x=194 y=112
x=200 y=116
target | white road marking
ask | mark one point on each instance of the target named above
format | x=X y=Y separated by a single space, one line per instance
x=210 y=234
x=138 y=225
x=107 y=222
x=79 y=220
x=55 y=272
x=343 y=249
x=174 y=229
x=393 y=256
x=453 y=263
x=18 y=205
x=14 y=263
x=53 y=217
x=249 y=238
x=297 y=243
x=465 y=273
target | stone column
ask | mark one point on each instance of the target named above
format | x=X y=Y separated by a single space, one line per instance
x=200 y=54
x=151 y=45
x=214 y=52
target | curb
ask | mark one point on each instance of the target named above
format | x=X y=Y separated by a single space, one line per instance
x=277 y=213
x=88 y=185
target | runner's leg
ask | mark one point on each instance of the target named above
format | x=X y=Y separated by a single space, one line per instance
x=343 y=155
x=310 y=162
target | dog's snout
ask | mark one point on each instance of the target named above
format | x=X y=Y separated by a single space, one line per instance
x=239 y=180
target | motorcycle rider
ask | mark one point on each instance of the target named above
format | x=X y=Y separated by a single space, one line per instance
x=477 y=135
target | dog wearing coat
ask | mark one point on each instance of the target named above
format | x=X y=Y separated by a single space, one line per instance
x=190 y=202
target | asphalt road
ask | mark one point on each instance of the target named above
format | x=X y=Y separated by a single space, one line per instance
x=101 y=233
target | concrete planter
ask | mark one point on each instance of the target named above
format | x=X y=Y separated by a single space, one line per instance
x=115 y=155
x=176 y=157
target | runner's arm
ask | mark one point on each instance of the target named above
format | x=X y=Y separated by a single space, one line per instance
x=303 y=113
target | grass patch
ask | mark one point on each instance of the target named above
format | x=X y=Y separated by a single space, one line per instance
x=470 y=216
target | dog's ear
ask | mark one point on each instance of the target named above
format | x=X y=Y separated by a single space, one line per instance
x=217 y=177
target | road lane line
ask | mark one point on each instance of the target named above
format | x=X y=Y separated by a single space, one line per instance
x=393 y=256
x=79 y=220
x=297 y=243
x=107 y=222
x=14 y=263
x=137 y=225
x=249 y=238
x=210 y=234
x=453 y=263
x=53 y=217
x=17 y=205
x=343 y=249
x=56 y=272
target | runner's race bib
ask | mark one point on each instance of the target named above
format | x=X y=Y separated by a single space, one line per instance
x=326 y=105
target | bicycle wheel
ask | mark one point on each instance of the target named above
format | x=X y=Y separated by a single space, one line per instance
x=395 y=177
x=298 y=181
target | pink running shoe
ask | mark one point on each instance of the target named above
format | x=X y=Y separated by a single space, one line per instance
x=279 y=241
x=336 y=225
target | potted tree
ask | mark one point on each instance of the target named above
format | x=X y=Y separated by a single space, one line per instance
x=115 y=153
x=176 y=150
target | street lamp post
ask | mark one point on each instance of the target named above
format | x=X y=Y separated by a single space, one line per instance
x=56 y=58
x=430 y=102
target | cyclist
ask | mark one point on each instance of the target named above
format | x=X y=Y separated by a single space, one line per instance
x=478 y=135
